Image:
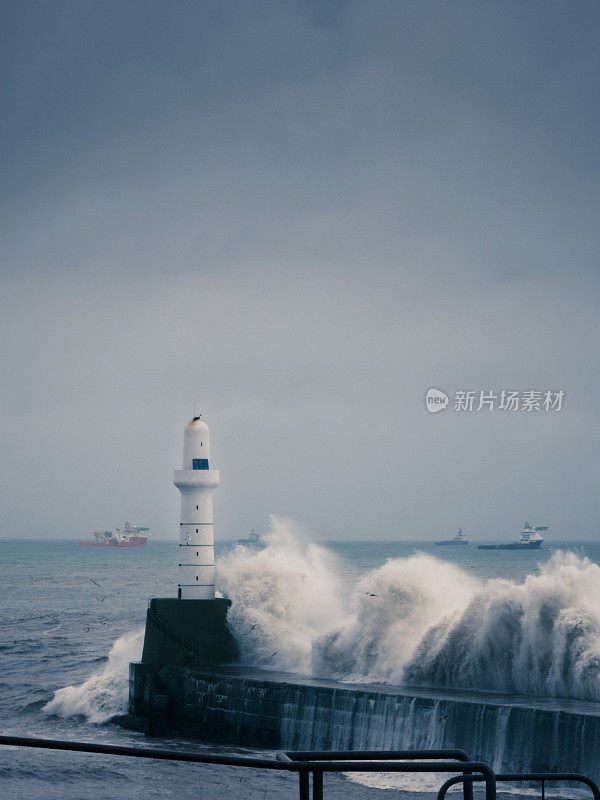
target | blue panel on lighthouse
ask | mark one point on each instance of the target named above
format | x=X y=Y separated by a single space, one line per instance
x=199 y=463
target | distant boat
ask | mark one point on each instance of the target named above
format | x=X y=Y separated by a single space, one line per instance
x=530 y=540
x=253 y=538
x=460 y=538
x=128 y=537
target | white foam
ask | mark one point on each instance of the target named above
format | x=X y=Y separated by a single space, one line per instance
x=540 y=637
x=389 y=611
x=283 y=597
x=416 y=620
x=431 y=781
x=105 y=693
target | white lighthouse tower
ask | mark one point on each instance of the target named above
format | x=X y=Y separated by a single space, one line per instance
x=196 y=482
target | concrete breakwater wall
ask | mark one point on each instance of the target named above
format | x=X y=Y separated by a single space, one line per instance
x=274 y=710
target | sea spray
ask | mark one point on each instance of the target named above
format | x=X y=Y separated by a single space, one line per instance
x=416 y=621
x=419 y=621
x=283 y=597
x=540 y=637
x=390 y=609
x=291 y=608
x=105 y=693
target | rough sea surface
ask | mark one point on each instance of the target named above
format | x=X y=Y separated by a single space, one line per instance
x=385 y=612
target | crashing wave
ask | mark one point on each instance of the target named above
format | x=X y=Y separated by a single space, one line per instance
x=105 y=693
x=415 y=621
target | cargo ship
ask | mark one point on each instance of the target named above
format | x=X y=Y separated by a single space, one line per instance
x=460 y=538
x=530 y=540
x=130 y=536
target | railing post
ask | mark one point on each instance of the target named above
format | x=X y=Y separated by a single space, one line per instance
x=490 y=784
x=303 y=785
x=543 y=789
x=467 y=787
x=318 y=784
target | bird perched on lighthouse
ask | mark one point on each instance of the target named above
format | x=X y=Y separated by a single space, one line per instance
x=196 y=482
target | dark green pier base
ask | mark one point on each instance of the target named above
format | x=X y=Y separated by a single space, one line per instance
x=187 y=633
x=179 y=633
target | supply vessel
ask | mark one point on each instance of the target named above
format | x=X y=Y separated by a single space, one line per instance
x=252 y=538
x=460 y=538
x=530 y=540
x=130 y=536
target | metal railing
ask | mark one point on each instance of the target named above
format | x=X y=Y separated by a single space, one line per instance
x=385 y=761
x=524 y=777
x=302 y=763
x=317 y=763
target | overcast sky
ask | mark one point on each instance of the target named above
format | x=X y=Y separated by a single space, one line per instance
x=299 y=215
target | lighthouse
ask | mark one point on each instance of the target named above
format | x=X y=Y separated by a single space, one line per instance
x=196 y=481
x=189 y=630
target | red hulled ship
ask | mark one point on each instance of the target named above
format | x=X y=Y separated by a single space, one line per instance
x=130 y=536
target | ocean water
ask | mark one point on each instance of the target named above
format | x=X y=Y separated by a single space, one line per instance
x=408 y=613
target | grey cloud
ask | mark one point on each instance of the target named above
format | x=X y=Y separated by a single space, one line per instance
x=301 y=215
